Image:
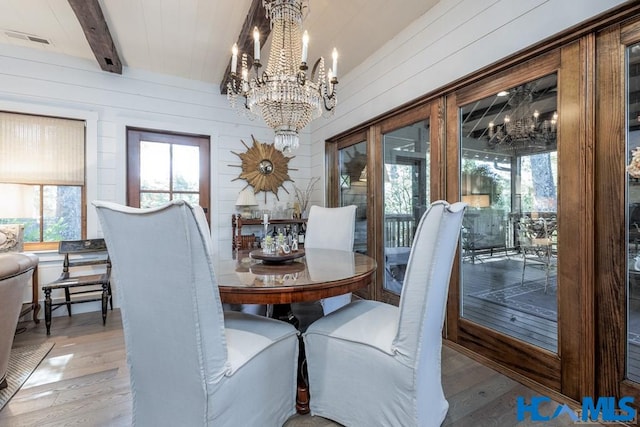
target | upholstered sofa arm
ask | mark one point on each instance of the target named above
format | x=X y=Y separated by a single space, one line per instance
x=15 y=271
x=13 y=264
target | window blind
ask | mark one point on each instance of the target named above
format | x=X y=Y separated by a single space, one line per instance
x=41 y=150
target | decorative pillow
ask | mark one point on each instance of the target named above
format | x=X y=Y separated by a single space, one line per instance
x=11 y=237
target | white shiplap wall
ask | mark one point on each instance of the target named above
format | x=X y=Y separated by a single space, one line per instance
x=42 y=83
x=453 y=39
x=34 y=81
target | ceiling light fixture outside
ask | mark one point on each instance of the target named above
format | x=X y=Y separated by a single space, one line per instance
x=283 y=95
x=522 y=129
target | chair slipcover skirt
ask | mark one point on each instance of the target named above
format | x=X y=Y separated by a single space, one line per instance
x=190 y=363
x=374 y=364
x=366 y=370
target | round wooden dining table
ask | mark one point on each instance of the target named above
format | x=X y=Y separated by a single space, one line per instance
x=320 y=273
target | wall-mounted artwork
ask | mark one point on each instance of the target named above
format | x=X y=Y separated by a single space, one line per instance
x=264 y=167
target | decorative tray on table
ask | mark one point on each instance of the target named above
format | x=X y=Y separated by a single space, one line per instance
x=277 y=258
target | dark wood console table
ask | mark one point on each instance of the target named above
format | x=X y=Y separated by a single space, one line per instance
x=241 y=241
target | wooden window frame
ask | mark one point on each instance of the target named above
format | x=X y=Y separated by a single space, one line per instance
x=135 y=135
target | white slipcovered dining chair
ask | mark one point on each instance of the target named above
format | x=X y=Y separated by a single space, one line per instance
x=372 y=363
x=331 y=228
x=191 y=364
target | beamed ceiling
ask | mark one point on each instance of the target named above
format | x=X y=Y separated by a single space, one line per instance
x=192 y=39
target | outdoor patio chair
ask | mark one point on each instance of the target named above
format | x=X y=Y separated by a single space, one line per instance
x=537 y=245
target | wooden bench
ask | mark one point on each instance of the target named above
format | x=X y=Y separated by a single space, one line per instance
x=79 y=256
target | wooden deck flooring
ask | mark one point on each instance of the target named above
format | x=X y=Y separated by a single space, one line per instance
x=488 y=274
x=84 y=381
x=496 y=275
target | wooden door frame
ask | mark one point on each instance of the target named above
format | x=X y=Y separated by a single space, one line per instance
x=372 y=134
x=135 y=135
x=332 y=161
x=432 y=111
x=571 y=370
x=591 y=55
x=611 y=210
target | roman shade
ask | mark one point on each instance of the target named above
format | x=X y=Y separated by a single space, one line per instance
x=41 y=150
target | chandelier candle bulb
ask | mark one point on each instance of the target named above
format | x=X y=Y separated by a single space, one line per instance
x=245 y=75
x=256 y=44
x=335 y=62
x=234 y=58
x=305 y=46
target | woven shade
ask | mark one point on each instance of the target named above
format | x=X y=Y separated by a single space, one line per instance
x=41 y=150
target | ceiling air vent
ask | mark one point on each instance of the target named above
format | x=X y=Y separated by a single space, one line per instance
x=26 y=37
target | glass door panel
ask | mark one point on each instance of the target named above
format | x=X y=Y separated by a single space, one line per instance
x=352 y=179
x=406 y=196
x=633 y=214
x=509 y=178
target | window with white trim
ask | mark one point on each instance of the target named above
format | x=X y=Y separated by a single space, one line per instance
x=42 y=177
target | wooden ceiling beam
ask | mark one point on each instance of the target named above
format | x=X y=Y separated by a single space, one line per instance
x=96 y=31
x=255 y=18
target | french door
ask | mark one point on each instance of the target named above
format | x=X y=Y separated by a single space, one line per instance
x=518 y=155
x=541 y=146
x=617 y=214
x=391 y=171
x=347 y=184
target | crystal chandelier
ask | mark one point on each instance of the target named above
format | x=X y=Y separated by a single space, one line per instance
x=283 y=95
x=522 y=129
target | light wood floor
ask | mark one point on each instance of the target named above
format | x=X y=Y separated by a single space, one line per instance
x=84 y=381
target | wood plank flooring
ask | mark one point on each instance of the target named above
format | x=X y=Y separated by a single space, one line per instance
x=84 y=381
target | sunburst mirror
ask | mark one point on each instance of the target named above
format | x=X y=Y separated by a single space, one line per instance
x=264 y=167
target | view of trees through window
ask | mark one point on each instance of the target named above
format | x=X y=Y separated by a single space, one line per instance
x=509 y=165
x=537 y=181
x=399 y=185
x=168 y=171
x=57 y=208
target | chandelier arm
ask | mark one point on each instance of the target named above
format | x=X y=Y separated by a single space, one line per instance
x=315 y=68
x=331 y=94
x=261 y=80
x=327 y=106
x=232 y=84
x=301 y=77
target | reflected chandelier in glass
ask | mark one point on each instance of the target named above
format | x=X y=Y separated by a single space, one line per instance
x=285 y=97
x=523 y=126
